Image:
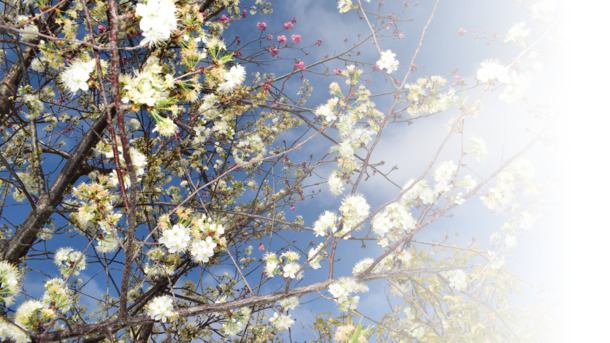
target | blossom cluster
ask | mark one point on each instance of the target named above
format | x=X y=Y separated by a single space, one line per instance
x=9 y=331
x=354 y=209
x=158 y=20
x=502 y=197
x=9 y=282
x=236 y=321
x=200 y=239
x=281 y=321
x=426 y=96
x=75 y=77
x=515 y=84
x=252 y=147
x=138 y=161
x=32 y=314
x=357 y=124
x=286 y=264
x=148 y=86
x=232 y=78
x=289 y=303
x=457 y=279
x=388 y=61
x=393 y=221
x=29 y=30
x=58 y=296
x=346 y=5
x=342 y=291
x=70 y=262
x=96 y=208
x=162 y=308
x=315 y=256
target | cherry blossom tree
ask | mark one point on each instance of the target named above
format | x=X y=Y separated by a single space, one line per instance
x=169 y=173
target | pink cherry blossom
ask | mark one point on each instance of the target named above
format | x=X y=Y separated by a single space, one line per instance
x=462 y=31
x=281 y=39
x=296 y=39
x=300 y=65
x=288 y=25
x=337 y=71
x=261 y=25
x=274 y=51
x=261 y=247
x=224 y=19
x=269 y=37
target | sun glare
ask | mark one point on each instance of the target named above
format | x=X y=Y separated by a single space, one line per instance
x=585 y=128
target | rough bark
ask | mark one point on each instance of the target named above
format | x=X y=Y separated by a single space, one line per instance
x=25 y=234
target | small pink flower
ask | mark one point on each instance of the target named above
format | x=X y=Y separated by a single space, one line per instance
x=224 y=19
x=261 y=25
x=265 y=86
x=269 y=37
x=292 y=207
x=101 y=28
x=300 y=65
x=294 y=20
x=281 y=39
x=288 y=25
x=401 y=36
x=319 y=42
x=261 y=247
x=462 y=31
x=337 y=71
x=296 y=39
x=274 y=51
x=244 y=14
